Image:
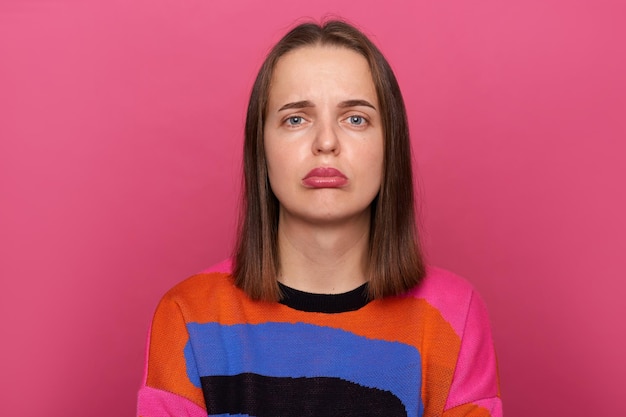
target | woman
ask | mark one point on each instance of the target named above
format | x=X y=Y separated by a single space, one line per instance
x=328 y=309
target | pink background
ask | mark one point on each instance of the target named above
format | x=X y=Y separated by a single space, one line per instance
x=120 y=138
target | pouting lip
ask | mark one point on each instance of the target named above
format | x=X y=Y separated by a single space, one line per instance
x=326 y=172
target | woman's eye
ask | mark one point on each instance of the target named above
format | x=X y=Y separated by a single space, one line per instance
x=356 y=120
x=294 y=120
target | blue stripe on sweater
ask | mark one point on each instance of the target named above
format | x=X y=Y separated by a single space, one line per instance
x=305 y=350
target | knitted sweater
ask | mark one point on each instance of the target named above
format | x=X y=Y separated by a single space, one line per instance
x=427 y=353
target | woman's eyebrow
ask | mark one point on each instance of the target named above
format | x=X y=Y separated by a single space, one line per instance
x=297 y=105
x=344 y=104
x=356 y=103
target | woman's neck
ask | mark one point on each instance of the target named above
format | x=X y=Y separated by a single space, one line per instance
x=324 y=259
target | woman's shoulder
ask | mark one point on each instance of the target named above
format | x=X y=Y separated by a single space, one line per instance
x=209 y=282
x=439 y=282
x=449 y=293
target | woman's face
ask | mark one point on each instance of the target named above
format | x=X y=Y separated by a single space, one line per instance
x=323 y=135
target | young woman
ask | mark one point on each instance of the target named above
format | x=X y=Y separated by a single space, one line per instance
x=326 y=308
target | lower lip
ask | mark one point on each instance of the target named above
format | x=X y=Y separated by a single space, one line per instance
x=324 y=182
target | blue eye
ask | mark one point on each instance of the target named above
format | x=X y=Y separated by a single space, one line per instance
x=356 y=120
x=294 y=120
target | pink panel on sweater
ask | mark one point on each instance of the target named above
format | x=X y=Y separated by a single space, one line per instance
x=448 y=293
x=158 y=403
x=475 y=375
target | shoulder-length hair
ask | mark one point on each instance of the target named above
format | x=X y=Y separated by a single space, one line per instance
x=395 y=259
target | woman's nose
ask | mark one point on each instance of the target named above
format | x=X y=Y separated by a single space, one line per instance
x=326 y=138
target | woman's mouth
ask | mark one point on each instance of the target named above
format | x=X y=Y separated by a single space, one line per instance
x=324 y=177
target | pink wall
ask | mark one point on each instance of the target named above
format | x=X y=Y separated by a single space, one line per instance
x=120 y=135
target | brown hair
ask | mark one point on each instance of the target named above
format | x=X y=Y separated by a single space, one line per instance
x=395 y=259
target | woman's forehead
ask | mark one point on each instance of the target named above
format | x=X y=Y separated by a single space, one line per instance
x=316 y=72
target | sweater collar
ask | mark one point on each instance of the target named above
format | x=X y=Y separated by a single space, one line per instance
x=324 y=303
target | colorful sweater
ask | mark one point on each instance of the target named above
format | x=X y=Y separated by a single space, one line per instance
x=427 y=353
